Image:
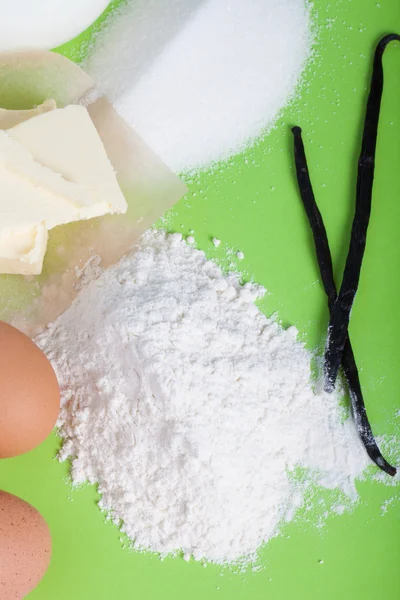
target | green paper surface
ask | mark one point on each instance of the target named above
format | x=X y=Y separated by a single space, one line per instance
x=252 y=204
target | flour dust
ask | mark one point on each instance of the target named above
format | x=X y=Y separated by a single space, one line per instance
x=191 y=409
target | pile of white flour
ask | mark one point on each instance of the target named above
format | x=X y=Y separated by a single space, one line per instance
x=189 y=407
x=200 y=79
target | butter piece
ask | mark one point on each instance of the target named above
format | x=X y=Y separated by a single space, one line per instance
x=22 y=252
x=32 y=193
x=10 y=118
x=53 y=170
x=66 y=141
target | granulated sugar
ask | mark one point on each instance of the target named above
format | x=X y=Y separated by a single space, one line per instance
x=190 y=408
x=201 y=79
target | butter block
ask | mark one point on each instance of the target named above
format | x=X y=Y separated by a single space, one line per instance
x=31 y=193
x=66 y=141
x=53 y=170
x=22 y=252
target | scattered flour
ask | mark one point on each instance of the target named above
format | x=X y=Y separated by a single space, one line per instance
x=201 y=79
x=190 y=408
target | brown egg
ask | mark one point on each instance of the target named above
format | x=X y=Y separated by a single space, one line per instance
x=29 y=393
x=25 y=547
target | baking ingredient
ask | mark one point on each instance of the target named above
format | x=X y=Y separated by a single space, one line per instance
x=23 y=251
x=53 y=170
x=340 y=315
x=190 y=408
x=201 y=84
x=45 y=24
x=25 y=547
x=324 y=259
x=29 y=393
x=29 y=207
x=9 y=118
x=66 y=141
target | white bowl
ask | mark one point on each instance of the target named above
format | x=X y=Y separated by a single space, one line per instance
x=45 y=24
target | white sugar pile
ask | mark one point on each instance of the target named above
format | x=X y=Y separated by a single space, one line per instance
x=200 y=80
x=190 y=408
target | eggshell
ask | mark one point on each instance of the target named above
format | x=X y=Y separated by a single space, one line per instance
x=29 y=393
x=25 y=547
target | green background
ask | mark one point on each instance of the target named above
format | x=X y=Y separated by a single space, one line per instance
x=252 y=205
